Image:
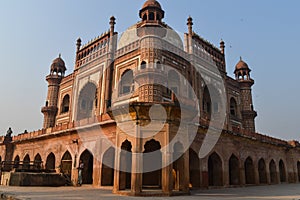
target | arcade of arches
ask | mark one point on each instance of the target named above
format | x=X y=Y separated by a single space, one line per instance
x=221 y=170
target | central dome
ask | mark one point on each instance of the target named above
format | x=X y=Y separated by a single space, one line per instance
x=151 y=3
x=131 y=35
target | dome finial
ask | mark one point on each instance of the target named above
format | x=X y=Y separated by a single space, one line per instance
x=241 y=59
x=59 y=55
x=190 y=25
x=222 y=46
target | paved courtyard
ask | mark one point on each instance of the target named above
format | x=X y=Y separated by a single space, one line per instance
x=280 y=192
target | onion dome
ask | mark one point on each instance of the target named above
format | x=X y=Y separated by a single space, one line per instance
x=58 y=66
x=242 y=70
x=152 y=11
x=151 y=3
x=241 y=65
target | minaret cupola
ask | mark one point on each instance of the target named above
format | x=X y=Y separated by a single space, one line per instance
x=152 y=12
x=58 y=67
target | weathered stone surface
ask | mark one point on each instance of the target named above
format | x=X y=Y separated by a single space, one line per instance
x=36 y=179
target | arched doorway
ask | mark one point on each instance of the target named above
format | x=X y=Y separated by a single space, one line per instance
x=282 y=171
x=87 y=101
x=66 y=165
x=87 y=172
x=206 y=103
x=26 y=162
x=249 y=171
x=125 y=166
x=298 y=167
x=65 y=104
x=215 y=170
x=194 y=169
x=273 y=173
x=233 y=108
x=126 y=83
x=38 y=162
x=17 y=162
x=108 y=163
x=50 y=162
x=262 y=171
x=234 y=170
x=152 y=159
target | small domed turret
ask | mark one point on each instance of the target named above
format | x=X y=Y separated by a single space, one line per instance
x=58 y=67
x=151 y=3
x=152 y=11
x=241 y=70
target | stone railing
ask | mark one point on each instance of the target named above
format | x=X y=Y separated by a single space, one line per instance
x=260 y=137
x=92 y=56
x=61 y=127
x=166 y=46
x=129 y=48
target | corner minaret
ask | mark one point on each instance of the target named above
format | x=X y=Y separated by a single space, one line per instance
x=242 y=74
x=57 y=72
x=189 y=36
x=110 y=63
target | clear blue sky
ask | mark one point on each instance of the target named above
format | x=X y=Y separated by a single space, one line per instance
x=265 y=33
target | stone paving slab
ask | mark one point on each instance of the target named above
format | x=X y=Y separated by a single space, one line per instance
x=278 y=192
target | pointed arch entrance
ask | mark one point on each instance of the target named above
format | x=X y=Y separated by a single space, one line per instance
x=107 y=171
x=66 y=165
x=125 y=166
x=26 y=162
x=194 y=169
x=50 y=162
x=273 y=173
x=282 y=171
x=249 y=171
x=86 y=101
x=16 y=162
x=38 y=161
x=234 y=170
x=152 y=156
x=215 y=170
x=262 y=171
x=87 y=172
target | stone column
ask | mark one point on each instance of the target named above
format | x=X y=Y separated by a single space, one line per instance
x=268 y=174
x=185 y=180
x=278 y=176
x=167 y=179
x=242 y=175
x=117 y=167
x=97 y=172
x=137 y=164
x=256 y=174
x=226 y=173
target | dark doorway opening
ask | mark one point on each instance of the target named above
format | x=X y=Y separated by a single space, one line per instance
x=125 y=166
x=108 y=163
x=215 y=170
x=87 y=172
x=151 y=160
x=234 y=170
